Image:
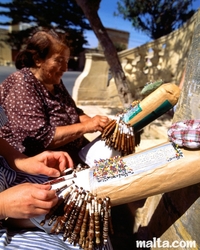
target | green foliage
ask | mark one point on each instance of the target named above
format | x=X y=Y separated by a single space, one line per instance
x=120 y=46
x=65 y=16
x=156 y=18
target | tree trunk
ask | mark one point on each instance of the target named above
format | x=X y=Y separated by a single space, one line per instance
x=188 y=106
x=90 y=8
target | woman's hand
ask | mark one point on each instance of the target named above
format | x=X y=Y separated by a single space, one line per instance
x=27 y=200
x=50 y=163
x=96 y=123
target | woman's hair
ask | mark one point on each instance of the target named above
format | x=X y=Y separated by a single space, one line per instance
x=38 y=47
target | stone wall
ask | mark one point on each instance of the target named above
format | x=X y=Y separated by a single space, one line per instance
x=5 y=51
x=164 y=58
x=90 y=86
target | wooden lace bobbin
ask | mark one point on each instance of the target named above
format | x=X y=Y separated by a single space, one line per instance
x=115 y=134
x=105 y=227
x=55 y=225
x=108 y=133
x=82 y=221
x=71 y=217
x=126 y=150
x=83 y=231
x=110 y=220
x=58 y=215
x=67 y=195
x=60 y=225
x=90 y=233
x=51 y=213
x=123 y=146
x=109 y=128
x=119 y=141
x=76 y=233
x=72 y=199
x=115 y=130
x=106 y=221
x=59 y=190
x=125 y=139
x=132 y=141
x=117 y=138
x=73 y=224
x=86 y=247
x=67 y=210
x=97 y=221
x=56 y=228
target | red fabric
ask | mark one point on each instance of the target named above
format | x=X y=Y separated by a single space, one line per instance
x=185 y=134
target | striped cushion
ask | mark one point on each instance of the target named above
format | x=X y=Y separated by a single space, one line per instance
x=3 y=118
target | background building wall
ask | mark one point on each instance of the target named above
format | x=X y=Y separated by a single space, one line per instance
x=5 y=50
x=119 y=38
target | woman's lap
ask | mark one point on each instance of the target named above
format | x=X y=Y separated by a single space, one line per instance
x=34 y=239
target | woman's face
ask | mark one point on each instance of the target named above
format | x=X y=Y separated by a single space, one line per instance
x=52 y=68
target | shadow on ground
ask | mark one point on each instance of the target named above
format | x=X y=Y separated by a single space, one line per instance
x=122 y=221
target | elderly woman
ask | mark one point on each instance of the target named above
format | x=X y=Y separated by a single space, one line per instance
x=41 y=113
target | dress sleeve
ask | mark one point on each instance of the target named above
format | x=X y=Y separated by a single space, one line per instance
x=28 y=122
x=79 y=111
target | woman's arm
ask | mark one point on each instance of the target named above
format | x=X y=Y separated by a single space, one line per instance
x=10 y=154
x=84 y=118
x=66 y=134
x=48 y=163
